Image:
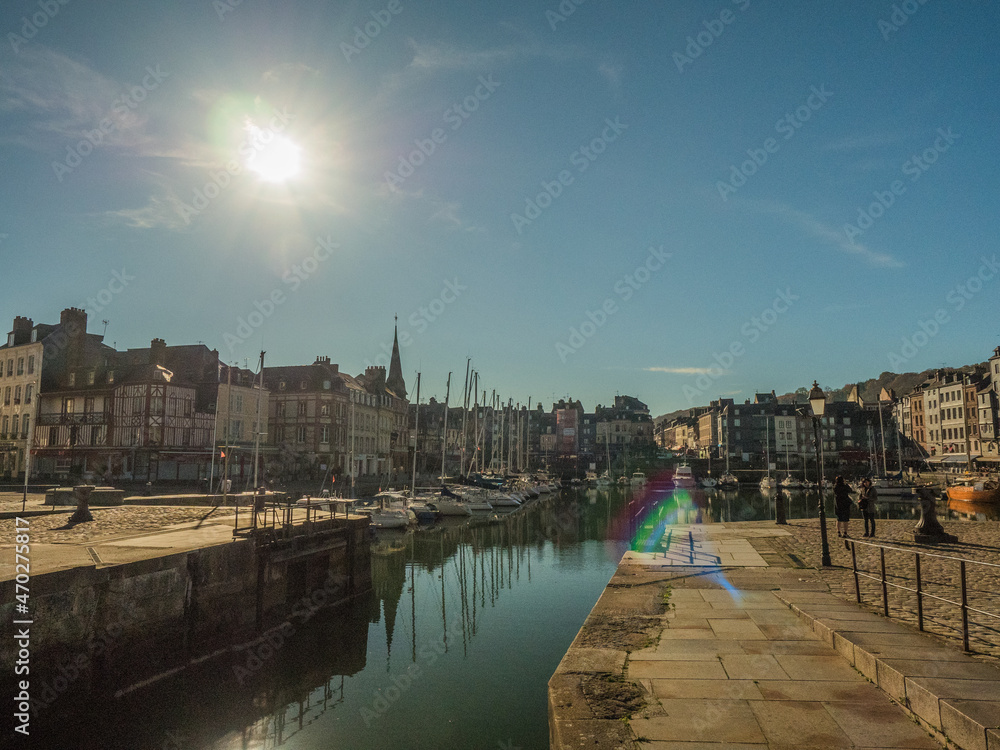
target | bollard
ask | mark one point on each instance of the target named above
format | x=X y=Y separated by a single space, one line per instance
x=929 y=530
x=82 y=493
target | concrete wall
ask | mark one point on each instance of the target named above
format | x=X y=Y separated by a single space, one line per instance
x=111 y=628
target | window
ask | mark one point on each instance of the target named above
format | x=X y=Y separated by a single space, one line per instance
x=111 y=377
x=31 y=365
x=17 y=395
x=20 y=365
x=6 y=396
x=325 y=435
x=5 y=425
x=53 y=436
x=303 y=409
x=300 y=434
x=13 y=425
x=67 y=406
x=324 y=409
x=91 y=377
x=28 y=392
x=71 y=380
x=88 y=405
x=10 y=367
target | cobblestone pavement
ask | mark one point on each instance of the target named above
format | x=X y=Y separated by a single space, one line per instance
x=108 y=522
x=940 y=576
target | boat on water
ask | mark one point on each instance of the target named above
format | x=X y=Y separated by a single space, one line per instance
x=638 y=478
x=975 y=491
x=767 y=483
x=728 y=482
x=684 y=476
x=791 y=483
x=623 y=480
x=603 y=481
x=391 y=518
x=709 y=482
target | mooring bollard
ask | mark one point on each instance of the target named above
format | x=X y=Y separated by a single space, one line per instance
x=929 y=530
x=82 y=494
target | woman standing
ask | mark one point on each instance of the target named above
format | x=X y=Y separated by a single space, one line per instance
x=842 y=505
x=866 y=502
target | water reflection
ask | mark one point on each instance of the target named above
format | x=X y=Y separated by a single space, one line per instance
x=452 y=647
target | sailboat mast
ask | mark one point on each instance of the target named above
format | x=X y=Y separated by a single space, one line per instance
x=416 y=437
x=256 y=430
x=465 y=414
x=881 y=429
x=444 y=428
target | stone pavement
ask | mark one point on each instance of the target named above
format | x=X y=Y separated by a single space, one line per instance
x=758 y=656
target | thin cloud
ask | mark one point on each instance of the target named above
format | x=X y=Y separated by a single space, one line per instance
x=864 y=142
x=164 y=210
x=52 y=99
x=825 y=233
x=679 y=370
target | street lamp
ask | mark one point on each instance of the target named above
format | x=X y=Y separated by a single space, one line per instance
x=817 y=401
x=27 y=444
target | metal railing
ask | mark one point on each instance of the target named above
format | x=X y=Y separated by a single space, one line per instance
x=920 y=589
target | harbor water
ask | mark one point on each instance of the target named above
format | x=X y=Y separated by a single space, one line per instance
x=453 y=647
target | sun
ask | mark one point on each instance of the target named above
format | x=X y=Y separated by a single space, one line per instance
x=274 y=159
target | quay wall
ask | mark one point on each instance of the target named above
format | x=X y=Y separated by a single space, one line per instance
x=110 y=628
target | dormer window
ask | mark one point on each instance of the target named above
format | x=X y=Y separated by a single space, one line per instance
x=71 y=382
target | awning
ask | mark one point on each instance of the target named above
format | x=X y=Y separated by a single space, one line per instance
x=957 y=458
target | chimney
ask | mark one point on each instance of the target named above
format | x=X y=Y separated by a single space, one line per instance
x=22 y=330
x=73 y=320
x=157 y=351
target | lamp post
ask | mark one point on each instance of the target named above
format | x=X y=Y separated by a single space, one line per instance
x=817 y=401
x=27 y=446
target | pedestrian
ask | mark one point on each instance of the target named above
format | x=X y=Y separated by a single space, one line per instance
x=866 y=502
x=842 y=505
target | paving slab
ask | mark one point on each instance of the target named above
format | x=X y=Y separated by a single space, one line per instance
x=766 y=657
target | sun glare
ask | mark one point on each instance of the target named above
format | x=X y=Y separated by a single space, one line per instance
x=273 y=157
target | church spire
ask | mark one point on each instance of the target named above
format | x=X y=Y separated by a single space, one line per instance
x=395 y=381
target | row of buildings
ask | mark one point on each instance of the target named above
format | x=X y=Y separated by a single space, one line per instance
x=950 y=419
x=163 y=412
x=82 y=408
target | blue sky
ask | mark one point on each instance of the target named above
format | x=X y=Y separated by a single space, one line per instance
x=671 y=200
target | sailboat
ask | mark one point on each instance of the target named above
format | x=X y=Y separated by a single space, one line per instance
x=728 y=481
x=604 y=480
x=709 y=481
x=789 y=482
x=767 y=483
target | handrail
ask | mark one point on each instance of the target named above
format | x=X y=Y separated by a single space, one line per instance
x=963 y=605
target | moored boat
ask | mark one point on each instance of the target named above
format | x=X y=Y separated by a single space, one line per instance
x=975 y=491
x=684 y=476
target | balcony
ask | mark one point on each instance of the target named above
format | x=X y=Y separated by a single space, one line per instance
x=60 y=418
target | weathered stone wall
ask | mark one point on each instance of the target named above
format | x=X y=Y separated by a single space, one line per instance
x=113 y=627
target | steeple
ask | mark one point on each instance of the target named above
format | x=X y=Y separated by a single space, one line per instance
x=395 y=380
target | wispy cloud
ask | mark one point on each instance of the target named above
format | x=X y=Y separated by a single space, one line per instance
x=51 y=98
x=825 y=233
x=679 y=370
x=164 y=210
x=864 y=142
x=611 y=73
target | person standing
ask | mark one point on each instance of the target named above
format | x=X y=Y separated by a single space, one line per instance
x=842 y=505
x=866 y=502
